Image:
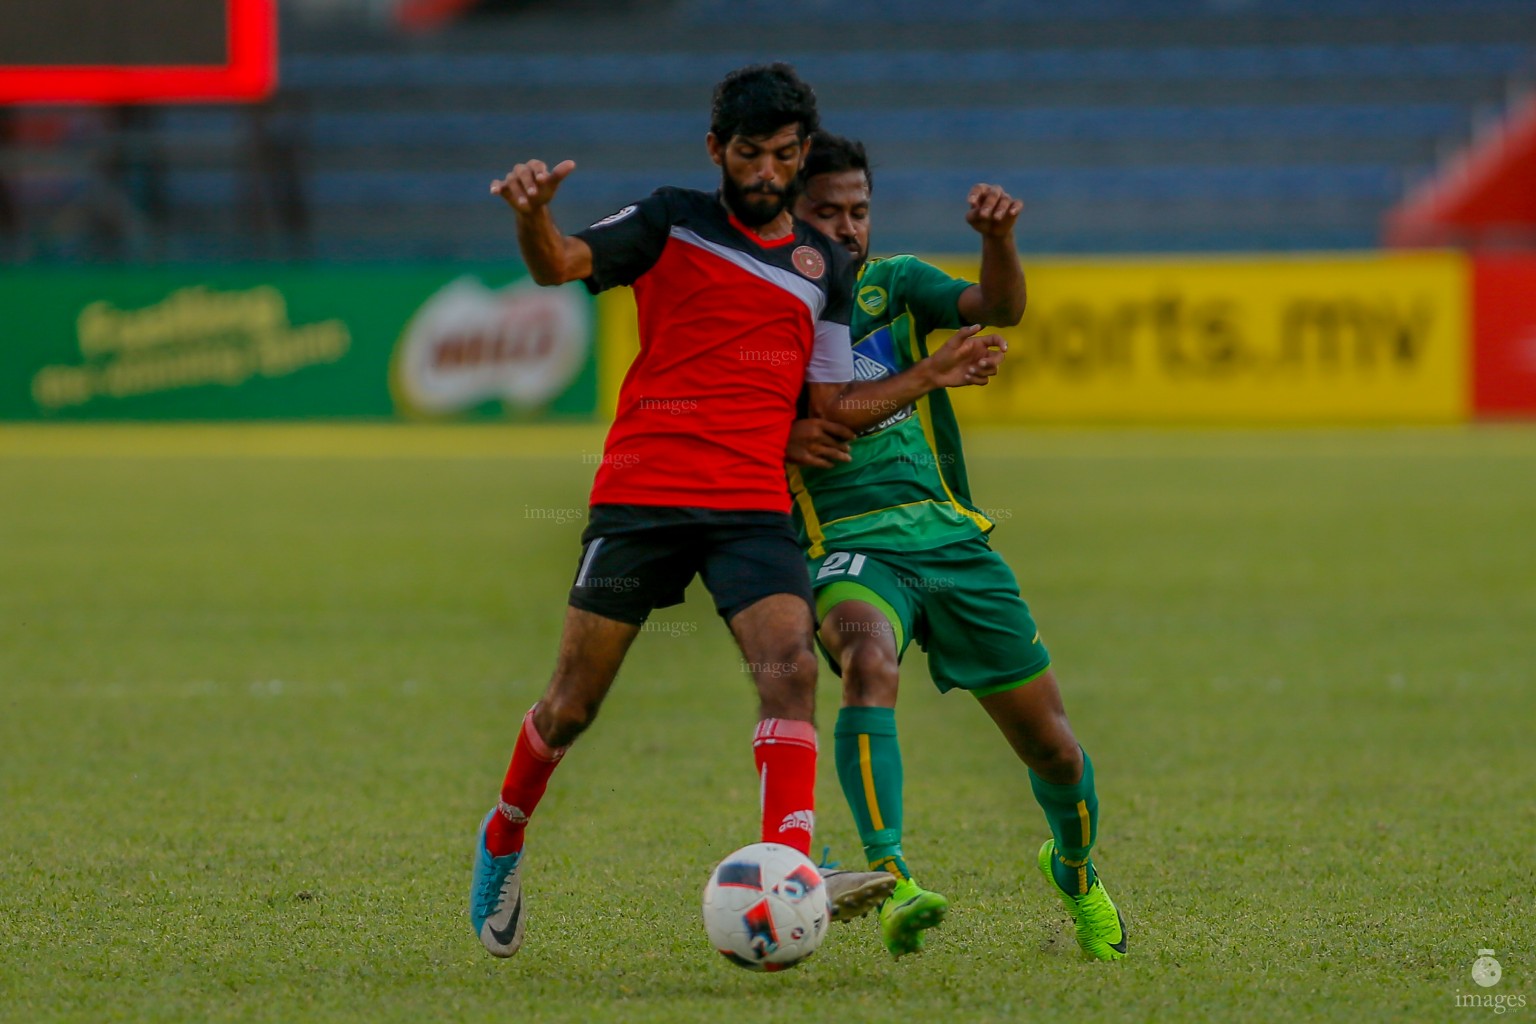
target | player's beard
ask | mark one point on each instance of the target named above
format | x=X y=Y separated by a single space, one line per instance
x=758 y=204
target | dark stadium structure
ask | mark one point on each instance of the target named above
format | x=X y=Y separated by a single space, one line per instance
x=1125 y=125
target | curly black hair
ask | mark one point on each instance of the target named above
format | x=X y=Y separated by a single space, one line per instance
x=832 y=154
x=759 y=100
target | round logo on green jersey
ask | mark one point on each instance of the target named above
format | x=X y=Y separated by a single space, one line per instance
x=872 y=299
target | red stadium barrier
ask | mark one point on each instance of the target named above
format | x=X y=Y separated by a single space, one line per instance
x=1504 y=336
x=1485 y=195
x=245 y=38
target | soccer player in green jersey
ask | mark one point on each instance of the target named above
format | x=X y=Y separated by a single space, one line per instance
x=898 y=552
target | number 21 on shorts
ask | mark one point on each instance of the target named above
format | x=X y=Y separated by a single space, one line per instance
x=840 y=563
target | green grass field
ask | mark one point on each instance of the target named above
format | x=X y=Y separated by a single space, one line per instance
x=258 y=685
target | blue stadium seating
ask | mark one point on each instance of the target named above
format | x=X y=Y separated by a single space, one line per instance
x=938 y=126
x=910 y=68
x=866 y=12
x=1124 y=124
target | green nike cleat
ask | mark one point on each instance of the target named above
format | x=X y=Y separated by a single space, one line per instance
x=906 y=914
x=1100 y=928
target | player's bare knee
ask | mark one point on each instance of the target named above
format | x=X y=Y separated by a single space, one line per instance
x=871 y=675
x=786 y=687
x=560 y=718
x=1056 y=757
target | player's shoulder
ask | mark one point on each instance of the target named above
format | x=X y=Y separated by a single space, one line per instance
x=692 y=204
x=904 y=262
x=684 y=196
x=668 y=201
x=909 y=273
x=882 y=269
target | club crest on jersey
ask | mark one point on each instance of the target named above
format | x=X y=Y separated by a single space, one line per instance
x=808 y=261
x=872 y=299
x=614 y=218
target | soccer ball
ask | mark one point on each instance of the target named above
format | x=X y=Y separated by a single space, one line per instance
x=765 y=907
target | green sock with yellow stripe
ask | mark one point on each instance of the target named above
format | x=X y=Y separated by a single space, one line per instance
x=869 y=767
x=1073 y=814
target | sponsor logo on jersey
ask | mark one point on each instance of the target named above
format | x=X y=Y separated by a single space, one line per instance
x=614 y=218
x=798 y=819
x=808 y=261
x=877 y=349
x=868 y=368
x=872 y=299
x=874 y=358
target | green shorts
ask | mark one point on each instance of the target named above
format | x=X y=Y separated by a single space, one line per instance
x=960 y=602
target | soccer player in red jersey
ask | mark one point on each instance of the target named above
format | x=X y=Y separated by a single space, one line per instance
x=740 y=306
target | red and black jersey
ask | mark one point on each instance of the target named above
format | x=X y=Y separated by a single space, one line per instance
x=731 y=328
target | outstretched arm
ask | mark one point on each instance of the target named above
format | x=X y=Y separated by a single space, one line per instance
x=999 y=297
x=552 y=256
x=967 y=358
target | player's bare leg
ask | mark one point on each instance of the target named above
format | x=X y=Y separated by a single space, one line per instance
x=775 y=637
x=592 y=648
x=1033 y=720
x=863 y=639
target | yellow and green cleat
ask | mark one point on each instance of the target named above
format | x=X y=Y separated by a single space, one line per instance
x=1100 y=928
x=909 y=911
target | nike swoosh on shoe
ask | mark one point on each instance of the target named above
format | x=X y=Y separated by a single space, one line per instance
x=504 y=936
x=1119 y=947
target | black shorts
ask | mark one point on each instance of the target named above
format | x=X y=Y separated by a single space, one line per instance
x=637 y=558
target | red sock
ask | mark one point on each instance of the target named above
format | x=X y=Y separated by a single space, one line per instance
x=533 y=762
x=785 y=752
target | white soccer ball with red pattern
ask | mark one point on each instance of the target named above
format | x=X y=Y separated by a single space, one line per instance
x=765 y=907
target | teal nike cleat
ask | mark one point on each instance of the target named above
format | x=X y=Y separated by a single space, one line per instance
x=496 y=898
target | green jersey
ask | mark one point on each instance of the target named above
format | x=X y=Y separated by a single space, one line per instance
x=906 y=486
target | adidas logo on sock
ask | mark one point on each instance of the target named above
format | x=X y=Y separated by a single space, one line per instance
x=798 y=819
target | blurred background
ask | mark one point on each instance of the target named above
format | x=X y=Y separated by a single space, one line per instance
x=239 y=146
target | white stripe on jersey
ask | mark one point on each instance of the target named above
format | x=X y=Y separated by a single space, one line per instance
x=814 y=298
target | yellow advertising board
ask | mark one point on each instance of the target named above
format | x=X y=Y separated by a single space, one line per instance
x=618 y=342
x=1374 y=337
x=1348 y=338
